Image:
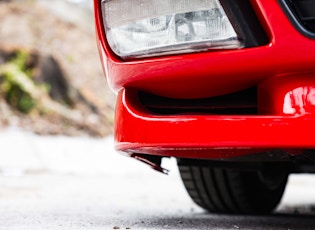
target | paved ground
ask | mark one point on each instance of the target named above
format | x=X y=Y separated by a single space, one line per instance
x=81 y=183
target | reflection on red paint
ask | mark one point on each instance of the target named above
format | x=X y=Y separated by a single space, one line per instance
x=300 y=101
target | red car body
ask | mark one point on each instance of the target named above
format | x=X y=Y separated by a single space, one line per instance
x=220 y=104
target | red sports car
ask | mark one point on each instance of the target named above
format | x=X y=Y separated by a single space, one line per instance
x=225 y=86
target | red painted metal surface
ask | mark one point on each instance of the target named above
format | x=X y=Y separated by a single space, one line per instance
x=288 y=94
x=283 y=71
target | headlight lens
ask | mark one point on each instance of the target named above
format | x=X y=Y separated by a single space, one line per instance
x=140 y=28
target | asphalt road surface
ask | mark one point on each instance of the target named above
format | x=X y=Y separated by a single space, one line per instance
x=81 y=183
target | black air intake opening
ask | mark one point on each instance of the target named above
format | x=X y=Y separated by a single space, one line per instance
x=302 y=14
x=239 y=103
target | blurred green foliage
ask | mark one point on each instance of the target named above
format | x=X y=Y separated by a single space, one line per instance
x=11 y=90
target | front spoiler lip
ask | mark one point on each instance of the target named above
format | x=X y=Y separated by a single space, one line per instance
x=206 y=136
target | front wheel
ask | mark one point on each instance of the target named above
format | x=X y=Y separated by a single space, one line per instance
x=225 y=190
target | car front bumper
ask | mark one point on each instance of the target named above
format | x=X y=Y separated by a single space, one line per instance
x=137 y=131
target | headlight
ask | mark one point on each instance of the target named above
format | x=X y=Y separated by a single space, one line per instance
x=140 y=28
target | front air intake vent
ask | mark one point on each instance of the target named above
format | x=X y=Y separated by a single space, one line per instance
x=302 y=14
x=305 y=10
x=239 y=103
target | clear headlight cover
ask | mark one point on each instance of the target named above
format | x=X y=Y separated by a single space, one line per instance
x=140 y=28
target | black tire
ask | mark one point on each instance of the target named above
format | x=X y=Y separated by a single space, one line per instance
x=234 y=191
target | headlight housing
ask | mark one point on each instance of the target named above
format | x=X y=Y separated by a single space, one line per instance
x=141 y=28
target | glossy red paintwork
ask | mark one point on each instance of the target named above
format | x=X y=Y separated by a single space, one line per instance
x=288 y=95
x=280 y=69
x=207 y=74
